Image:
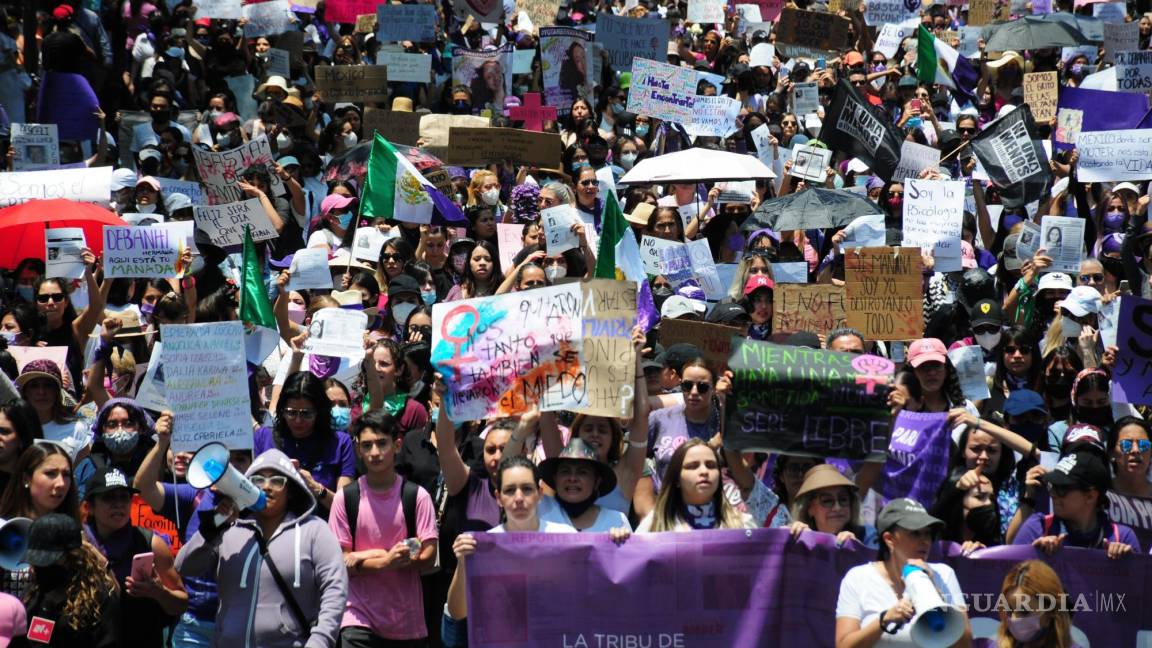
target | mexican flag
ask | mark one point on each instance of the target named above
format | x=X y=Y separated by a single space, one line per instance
x=618 y=257
x=936 y=62
x=393 y=188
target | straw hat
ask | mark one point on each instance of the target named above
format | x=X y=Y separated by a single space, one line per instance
x=823 y=476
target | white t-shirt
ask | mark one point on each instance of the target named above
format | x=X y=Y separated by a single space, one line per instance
x=323 y=238
x=864 y=594
x=608 y=519
x=545 y=527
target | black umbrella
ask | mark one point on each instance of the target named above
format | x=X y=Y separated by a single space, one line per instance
x=813 y=208
x=1090 y=26
x=1031 y=33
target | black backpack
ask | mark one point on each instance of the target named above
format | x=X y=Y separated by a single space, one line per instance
x=408 y=492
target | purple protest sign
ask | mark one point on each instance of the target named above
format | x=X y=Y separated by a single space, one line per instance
x=917 y=456
x=744 y=588
x=1132 y=376
x=68 y=101
x=1083 y=109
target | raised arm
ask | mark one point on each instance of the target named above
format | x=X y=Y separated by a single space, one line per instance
x=147 y=479
x=633 y=465
x=451 y=463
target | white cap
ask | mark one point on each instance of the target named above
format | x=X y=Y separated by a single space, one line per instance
x=123 y=179
x=1083 y=300
x=1055 y=281
x=679 y=306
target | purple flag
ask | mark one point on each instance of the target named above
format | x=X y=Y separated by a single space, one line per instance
x=1082 y=109
x=744 y=588
x=68 y=101
x=1130 y=378
x=917 y=456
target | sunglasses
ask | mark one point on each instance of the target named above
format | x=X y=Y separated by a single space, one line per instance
x=986 y=329
x=1062 y=490
x=788 y=123
x=1143 y=445
x=589 y=183
x=859 y=82
x=302 y=414
x=829 y=502
x=53 y=297
x=967 y=131
x=389 y=256
x=701 y=387
x=1097 y=277
x=278 y=482
x=1009 y=350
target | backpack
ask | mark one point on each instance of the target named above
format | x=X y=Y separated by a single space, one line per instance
x=408 y=492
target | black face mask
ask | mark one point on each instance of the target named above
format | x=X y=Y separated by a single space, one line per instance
x=984 y=523
x=1101 y=417
x=1034 y=432
x=576 y=509
x=461 y=108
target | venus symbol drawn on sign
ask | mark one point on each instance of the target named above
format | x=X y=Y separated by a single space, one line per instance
x=533 y=113
x=874 y=370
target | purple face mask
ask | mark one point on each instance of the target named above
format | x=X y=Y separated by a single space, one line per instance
x=146 y=311
x=1113 y=222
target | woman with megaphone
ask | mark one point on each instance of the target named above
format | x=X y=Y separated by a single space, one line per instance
x=899 y=599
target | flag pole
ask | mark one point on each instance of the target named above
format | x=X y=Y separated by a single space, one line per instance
x=955 y=151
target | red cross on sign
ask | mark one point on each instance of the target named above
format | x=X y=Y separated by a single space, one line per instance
x=532 y=113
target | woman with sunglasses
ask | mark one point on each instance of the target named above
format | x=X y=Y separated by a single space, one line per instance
x=1016 y=367
x=394 y=255
x=588 y=201
x=62 y=325
x=294 y=541
x=828 y=502
x=872 y=608
x=1131 y=457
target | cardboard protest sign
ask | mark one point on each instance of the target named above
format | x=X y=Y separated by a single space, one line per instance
x=713 y=340
x=917 y=456
x=1130 y=377
x=628 y=38
x=1118 y=37
x=337 y=333
x=82 y=185
x=981 y=12
x=396 y=126
x=609 y=359
x=816 y=308
x=884 y=292
x=37 y=146
x=882 y=12
x=662 y=91
x=354 y=83
x=224 y=224
x=434 y=129
x=151 y=251
x=1134 y=71
x=810 y=162
x=205 y=384
x=401 y=22
x=1041 y=90
x=221 y=171
x=482 y=146
x=812 y=402
x=706 y=11
x=267 y=18
x=532 y=113
x=402 y=66
x=63 y=256
x=822 y=31
x=1115 y=155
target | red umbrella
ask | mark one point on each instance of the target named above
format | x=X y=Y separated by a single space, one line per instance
x=22 y=227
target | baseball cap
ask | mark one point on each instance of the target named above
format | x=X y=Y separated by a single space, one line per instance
x=334 y=201
x=967 y=255
x=728 y=313
x=926 y=350
x=1081 y=469
x=1023 y=401
x=679 y=354
x=986 y=311
x=1055 y=281
x=123 y=179
x=906 y=514
x=1083 y=437
x=401 y=284
x=681 y=306
x=756 y=282
x=176 y=202
x=1083 y=300
x=50 y=537
x=149 y=180
x=1008 y=257
x=150 y=154
x=853 y=58
x=106 y=481
x=13 y=619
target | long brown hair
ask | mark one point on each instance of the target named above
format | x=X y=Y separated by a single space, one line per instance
x=666 y=514
x=90 y=583
x=17 y=500
x=1033 y=577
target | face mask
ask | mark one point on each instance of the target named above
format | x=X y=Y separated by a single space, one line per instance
x=121 y=442
x=1077 y=69
x=1113 y=222
x=161 y=116
x=1024 y=628
x=428 y=297
x=617 y=108
x=213 y=114
x=350 y=140
x=9 y=336
x=283 y=141
x=642 y=130
x=555 y=272
x=344 y=220
x=296 y=313
x=341 y=417
x=895 y=203
x=627 y=160
x=491 y=197
x=145 y=209
x=434 y=413
x=1034 y=432
x=988 y=340
x=25 y=293
x=1101 y=417
x=175 y=52
x=576 y=166
x=146 y=310
x=461 y=107
x=1069 y=327
x=51 y=577
x=735 y=242
x=400 y=312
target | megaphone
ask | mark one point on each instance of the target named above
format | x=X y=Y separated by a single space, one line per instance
x=13 y=542
x=210 y=467
x=936 y=624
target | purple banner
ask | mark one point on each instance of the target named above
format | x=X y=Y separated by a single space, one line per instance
x=917 y=456
x=1130 y=378
x=746 y=588
x=68 y=101
x=1082 y=109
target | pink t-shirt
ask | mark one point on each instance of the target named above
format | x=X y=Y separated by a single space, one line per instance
x=389 y=603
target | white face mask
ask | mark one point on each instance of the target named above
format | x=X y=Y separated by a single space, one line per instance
x=627 y=160
x=491 y=197
x=1069 y=327
x=283 y=141
x=555 y=272
x=145 y=209
x=350 y=140
x=400 y=312
x=988 y=340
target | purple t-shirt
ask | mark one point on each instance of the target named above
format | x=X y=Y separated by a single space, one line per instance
x=202 y=601
x=326 y=460
x=1033 y=528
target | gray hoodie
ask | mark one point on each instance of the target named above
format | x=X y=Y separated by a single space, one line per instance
x=253 y=613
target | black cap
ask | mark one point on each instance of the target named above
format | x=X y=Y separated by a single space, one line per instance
x=50 y=537
x=401 y=284
x=906 y=514
x=729 y=313
x=738 y=70
x=1081 y=469
x=986 y=311
x=803 y=339
x=680 y=354
x=108 y=480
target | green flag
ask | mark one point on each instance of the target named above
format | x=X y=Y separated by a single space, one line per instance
x=614 y=229
x=254 y=305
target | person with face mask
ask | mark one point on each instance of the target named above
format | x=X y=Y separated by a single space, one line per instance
x=1025 y=620
x=122 y=437
x=147 y=197
x=160 y=109
x=335 y=226
x=1076 y=324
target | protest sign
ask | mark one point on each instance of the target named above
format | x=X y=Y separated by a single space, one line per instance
x=483 y=146
x=1110 y=12
x=892 y=35
x=558 y=234
x=981 y=12
x=365 y=24
x=1133 y=512
x=62 y=252
x=662 y=91
x=1114 y=155
x=1014 y=162
x=1130 y=377
x=917 y=456
x=219 y=9
x=810 y=162
x=1062 y=238
x=969 y=41
x=543 y=12
x=279 y=63
x=499 y=355
x=864 y=231
x=337 y=332
x=676 y=265
x=486 y=73
x=713 y=340
x=267 y=18
x=434 y=129
x=367 y=243
x=934 y=215
x=915 y=158
x=1083 y=109
x=346 y=11
x=354 y=83
x=816 y=308
x=884 y=292
x=608 y=356
x=565 y=59
x=414 y=68
x=822 y=31
x=1029 y=242
x=143 y=252
x=706 y=11
x=224 y=224
x=82 y=185
x=36 y=146
x=714 y=116
x=791 y=272
x=1040 y=93
x=401 y=22
x=1118 y=37
x=761 y=55
x=881 y=12
x=856 y=127
x=969 y=364
x=805 y=401
x=805 y=98
x=627 y=38
x=206 y=385
x=485 y=11
x=309 y=270
x=651 y=249
x=1134 y=71
x=396 y=126
x=509 y=241
x=221 y=171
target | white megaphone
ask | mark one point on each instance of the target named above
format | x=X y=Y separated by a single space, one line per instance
x=210 y=467
x=13 y=542
x=936 y=624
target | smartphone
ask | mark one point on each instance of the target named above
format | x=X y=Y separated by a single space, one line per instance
x=413 y=547
x=142 y=565
x=1125 y=289
x=915 y=105
x=821 y=63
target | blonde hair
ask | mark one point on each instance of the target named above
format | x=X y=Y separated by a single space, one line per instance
x=666 y=514
x=474 y=187
x=1031 y=578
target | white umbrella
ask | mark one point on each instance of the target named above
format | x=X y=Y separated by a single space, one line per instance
x=697 y=165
